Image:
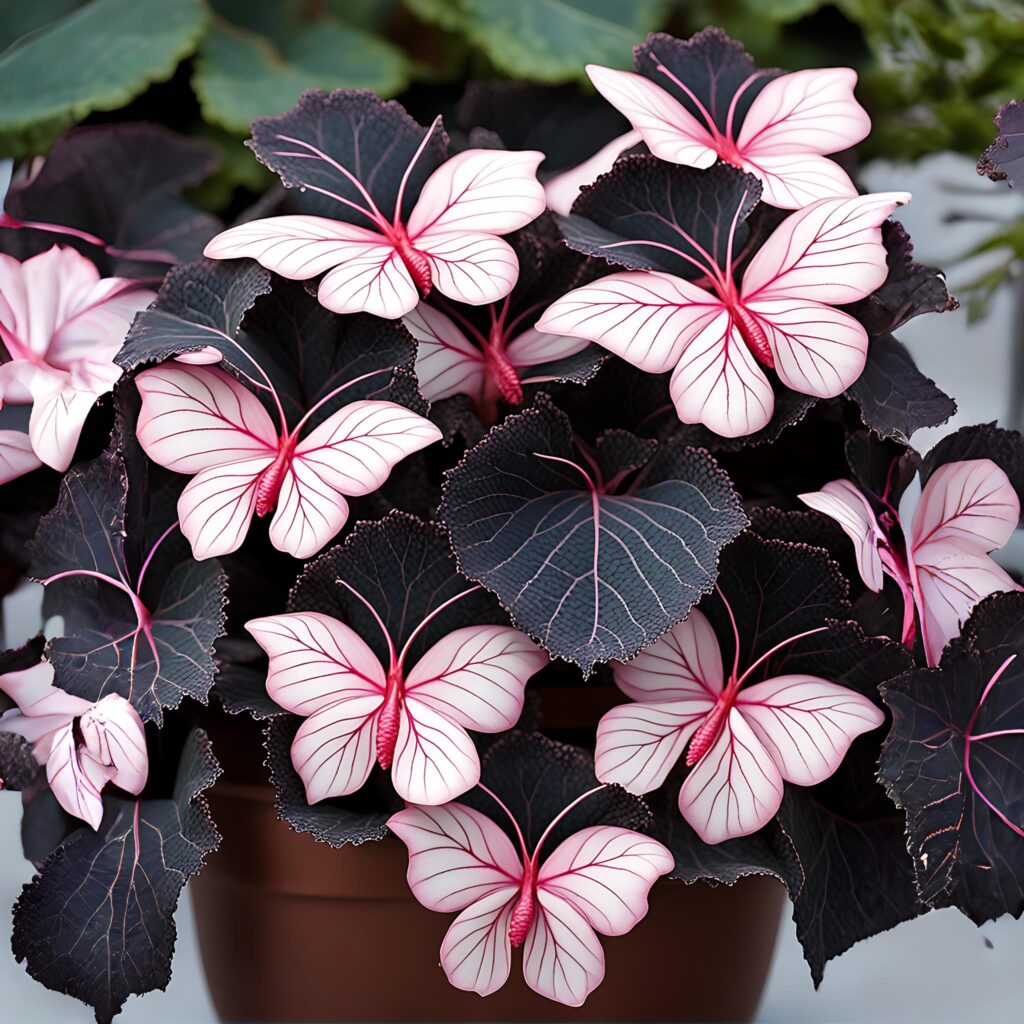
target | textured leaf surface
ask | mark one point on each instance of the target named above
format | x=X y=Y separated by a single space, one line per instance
x=592 y=574
x=964 y=798
x=102 y=650
x=359 y=818
x=537 y=778
x=97 y=58
x=373 y=140
x=894 y=396
x=1004 y=159
x=404 y=568
x=98 y=921
x=646 y=198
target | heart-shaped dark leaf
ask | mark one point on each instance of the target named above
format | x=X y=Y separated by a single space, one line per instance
x=44 y=824
x=910 y=289
x=595 y=555
x=776 y=589
x=537 y=778
x=327 y=140
x=119 y=190
x=140 y=615
x=713 y=67
x=1004 y=159
x=98 y=921
x=359 y=818
x=277 y=332
x=658 y=204
x=199 y=304
x=405 y=569
x=894 y=396
x=562 y=122
x=954 y=761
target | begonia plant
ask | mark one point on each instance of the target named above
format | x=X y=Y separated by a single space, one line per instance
x=599 y=390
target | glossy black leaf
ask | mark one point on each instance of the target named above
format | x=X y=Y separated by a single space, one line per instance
x=910 y=289
x=776 y=589
x=565 y=124
x=981 y=441
x=199 y=303
x=97 y=922
x=597 y=555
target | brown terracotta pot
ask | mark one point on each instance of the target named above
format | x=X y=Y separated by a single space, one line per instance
x=293 y=930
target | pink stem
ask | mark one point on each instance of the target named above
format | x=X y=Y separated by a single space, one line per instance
x=412 y=163
x=380 y=622
x=558 y=817
x=515 y=824
x=337 y=391
x=149 y=558
x=735 y=635
x=433 y=615
x=767 y=654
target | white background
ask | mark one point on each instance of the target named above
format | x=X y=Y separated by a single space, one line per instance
x=934 y=970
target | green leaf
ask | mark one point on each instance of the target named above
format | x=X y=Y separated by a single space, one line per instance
x=548 y=40
x=97 y=58
x=241 y=76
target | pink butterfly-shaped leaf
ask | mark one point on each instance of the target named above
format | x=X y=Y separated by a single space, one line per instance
x=414 y=722
x=779 y=316
x=596 y=880
x=937 y=548
x=778 y=130
x=83 y=746
x=61 y=326
x=201 y=420
x=743 y=743
x=381 y=260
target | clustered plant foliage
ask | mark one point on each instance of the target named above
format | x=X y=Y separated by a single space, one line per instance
x=601 y=392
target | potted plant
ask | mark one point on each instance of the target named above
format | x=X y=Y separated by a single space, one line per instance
x=500 y=537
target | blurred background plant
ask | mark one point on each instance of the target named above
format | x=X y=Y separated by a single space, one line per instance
x=933 y=72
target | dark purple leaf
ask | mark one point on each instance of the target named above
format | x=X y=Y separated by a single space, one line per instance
x=566 y=124
x=1004 y=159
x=373 y=140
x=910 y=289
x=278 y=329
x=123 y=186
x=648 y=200
x=359 y=818
x=199 y=304
x=536 y=778
x=712 y=66
x=107 y=522
x=98 y=921
x=776 y=589
x=593 y=555
x=405 y=569
x=964 y=795
x=894 y=396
